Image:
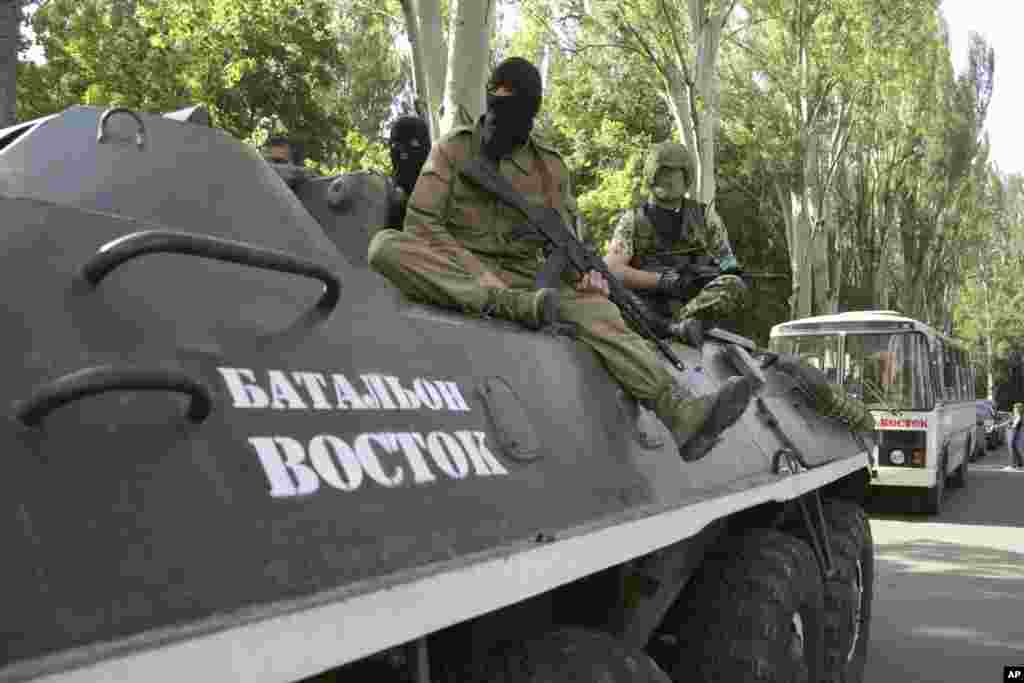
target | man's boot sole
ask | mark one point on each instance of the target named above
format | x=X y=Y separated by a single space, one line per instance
x=732 y=402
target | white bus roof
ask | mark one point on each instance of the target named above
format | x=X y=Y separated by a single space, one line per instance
x=856 y=320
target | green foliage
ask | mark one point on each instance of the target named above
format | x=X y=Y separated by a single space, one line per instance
x=313 y=69
x=908 y=183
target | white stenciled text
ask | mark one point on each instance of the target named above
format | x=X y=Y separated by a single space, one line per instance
x=385 y=459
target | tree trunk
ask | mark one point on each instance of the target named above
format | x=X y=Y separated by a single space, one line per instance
x=10 y=20
x=468 y=61
x=435 y=55
x=421 y=82
x=678 y=97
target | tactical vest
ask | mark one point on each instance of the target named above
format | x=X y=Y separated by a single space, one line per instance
x=662 y=241
x=675 y=243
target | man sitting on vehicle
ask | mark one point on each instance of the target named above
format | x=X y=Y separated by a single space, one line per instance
x=655 y=246
x=456 y=250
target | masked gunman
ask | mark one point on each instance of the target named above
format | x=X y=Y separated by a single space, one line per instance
x=657 y=246
x=456 y=250
x=409 y=145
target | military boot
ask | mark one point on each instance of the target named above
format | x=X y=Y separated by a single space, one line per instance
x=534 y=309
x=689 y=331
x=696 y=423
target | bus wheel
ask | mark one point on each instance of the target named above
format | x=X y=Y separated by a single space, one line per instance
x=959 y=478
x=979 y=449
x=752 y=614
x=566 y=655
x=934 y=495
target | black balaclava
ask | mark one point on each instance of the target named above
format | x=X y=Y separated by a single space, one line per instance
x=410 y=145
x=508 y=120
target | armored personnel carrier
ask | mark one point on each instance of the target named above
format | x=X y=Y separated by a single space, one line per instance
x=233 y=452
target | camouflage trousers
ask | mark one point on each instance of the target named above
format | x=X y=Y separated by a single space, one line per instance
x=829 y=399
x=841 y=406
x=720 y=299
x=426 y=275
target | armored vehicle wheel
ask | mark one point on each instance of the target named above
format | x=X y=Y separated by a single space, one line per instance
x=567 y=655
x=848 y=596
x=752 y=614
x=374 y=669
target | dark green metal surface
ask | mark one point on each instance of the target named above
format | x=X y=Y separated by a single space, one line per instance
x=122 y=516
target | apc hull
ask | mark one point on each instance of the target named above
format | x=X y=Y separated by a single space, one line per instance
x=368 y=474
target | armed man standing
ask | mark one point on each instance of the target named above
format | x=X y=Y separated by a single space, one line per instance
x=666 y=251
x=458 y=249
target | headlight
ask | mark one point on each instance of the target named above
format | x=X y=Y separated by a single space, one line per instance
x=897 y=457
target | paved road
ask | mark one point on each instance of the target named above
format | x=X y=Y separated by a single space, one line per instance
x=949 y=590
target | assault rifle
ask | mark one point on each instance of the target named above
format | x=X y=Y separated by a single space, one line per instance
x=564 y=250
x=697 y=277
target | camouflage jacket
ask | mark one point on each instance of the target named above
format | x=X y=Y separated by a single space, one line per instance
x=472 y=226
x=635 y=237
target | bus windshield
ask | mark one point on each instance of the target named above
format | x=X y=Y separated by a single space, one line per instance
x=888 y=371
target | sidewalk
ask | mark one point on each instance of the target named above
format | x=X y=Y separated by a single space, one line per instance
x=997 y=459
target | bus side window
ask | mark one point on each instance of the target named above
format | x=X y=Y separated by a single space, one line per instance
x=923 y=396
x=965 y=375
x=948 y=373
x=961 y=374
x=935 y=365
x=956 y=386
x=968 y=377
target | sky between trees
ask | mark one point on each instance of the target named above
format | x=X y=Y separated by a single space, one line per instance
x=999 y=21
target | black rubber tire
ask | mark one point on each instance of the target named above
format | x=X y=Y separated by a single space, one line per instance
x=933 y=497
x=849 y=594
x=977 y=449
x=371 y=669
x=568 y=655
x=959 y=478
x=734 y=622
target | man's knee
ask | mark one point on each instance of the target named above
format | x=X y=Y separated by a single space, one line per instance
x=727 y=292
x=384 y=250
x=593 y=313
x=729 y=283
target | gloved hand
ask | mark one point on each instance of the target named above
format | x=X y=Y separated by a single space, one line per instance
x=672 y=283
x=689 y=331
x=729 y=266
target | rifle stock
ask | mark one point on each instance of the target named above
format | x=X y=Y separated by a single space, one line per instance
x=563 y=248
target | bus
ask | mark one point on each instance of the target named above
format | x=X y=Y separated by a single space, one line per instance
x=917 y=382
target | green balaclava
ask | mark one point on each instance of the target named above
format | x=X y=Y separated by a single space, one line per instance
x=667 y=173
